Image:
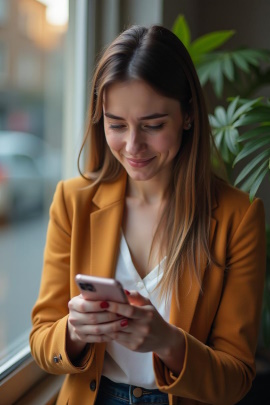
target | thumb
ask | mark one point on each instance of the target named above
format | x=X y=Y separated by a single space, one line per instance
x=135 y=298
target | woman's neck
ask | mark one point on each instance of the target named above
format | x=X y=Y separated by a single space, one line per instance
x=149 y=192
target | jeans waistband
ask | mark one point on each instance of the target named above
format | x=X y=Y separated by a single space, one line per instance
x=119 y=393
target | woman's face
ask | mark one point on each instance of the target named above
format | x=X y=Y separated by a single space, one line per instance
x=143 y=129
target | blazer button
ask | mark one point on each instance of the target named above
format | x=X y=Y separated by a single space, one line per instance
x=93 y=385
x=56 y=359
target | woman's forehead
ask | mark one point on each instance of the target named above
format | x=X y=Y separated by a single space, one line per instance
x=135 y=94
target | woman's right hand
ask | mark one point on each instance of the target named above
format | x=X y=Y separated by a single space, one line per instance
x=88 y=322
x=84 y=319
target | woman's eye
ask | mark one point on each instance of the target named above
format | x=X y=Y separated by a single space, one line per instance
x=116 y=127
x=154 y=127
x=122 y=127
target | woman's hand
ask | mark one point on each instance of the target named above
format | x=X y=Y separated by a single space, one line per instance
x=88 y=322
x=138 y=326
x=144 y=330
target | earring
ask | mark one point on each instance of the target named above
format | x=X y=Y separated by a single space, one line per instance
x=188 y=125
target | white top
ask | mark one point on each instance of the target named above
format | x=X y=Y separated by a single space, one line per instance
x=121 y=364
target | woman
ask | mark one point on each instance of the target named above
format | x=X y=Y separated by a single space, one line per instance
x=188 y=248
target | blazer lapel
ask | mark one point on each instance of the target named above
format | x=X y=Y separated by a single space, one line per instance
x=105 y=226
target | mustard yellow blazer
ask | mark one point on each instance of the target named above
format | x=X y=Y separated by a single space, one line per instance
x=220 y=324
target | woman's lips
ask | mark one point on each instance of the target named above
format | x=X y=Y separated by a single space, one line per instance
x=139 y=162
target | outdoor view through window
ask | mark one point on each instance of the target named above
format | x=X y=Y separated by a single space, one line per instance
x=32 y=47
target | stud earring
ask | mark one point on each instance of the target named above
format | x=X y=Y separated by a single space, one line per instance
x=188 y=125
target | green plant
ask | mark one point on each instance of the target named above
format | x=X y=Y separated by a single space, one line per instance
x=243 y=132
x=240 y=69
x=242 y=128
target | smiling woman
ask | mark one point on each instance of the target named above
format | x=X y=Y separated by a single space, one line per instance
x=149 y=211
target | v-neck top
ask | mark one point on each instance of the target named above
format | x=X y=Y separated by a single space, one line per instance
x=121 y=364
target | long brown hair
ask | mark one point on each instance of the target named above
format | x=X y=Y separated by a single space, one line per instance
x=156 y=56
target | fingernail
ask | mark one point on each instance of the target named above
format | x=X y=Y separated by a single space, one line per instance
x=124 y=322
x=104 y=304
x=127 y=292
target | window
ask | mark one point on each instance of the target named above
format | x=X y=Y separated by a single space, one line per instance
x=4 y=11
x=31 y=128
x=3 y=62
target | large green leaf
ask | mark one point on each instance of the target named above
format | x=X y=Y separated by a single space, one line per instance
x=221 y=116
x=251 y=147
x=256 y=184
x=181 y=30
x=254 y=56
x=228 y=68
x=262 y=169
x=202 y=45
x=226 y=140
x=254 y=143
x=258 y=115
x=241 y=61
x=230 y=136
x=225 y=152
x=204 y=73
x=254 y=133
x=215 y=66
x=209 y=42
x=243 y=109
x=231 y=109
x=251 y=165
x=218 y=139
x=216 y=78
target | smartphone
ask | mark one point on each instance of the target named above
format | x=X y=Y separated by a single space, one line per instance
x=101 y=289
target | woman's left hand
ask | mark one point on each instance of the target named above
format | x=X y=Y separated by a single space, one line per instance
x=144 y=330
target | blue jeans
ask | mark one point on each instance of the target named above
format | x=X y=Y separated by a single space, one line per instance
x=111 y=393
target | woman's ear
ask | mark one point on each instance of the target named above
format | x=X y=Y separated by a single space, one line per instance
x=187 y=124
x=188 y=116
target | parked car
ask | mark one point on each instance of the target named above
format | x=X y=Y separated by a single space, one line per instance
x=29 y=170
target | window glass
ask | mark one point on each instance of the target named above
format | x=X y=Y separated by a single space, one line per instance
x=3 y=11
x=32 y=71
x=3 y=62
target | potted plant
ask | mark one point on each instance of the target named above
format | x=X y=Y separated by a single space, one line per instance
x=240 y=125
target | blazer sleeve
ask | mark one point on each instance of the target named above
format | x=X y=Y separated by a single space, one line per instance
x=221 y=371
x=50 y=313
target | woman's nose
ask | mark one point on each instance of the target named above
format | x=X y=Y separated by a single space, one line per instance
x=134 y=142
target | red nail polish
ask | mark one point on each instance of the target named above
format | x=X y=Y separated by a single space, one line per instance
x=127 y=292
x=124 y=322
x=104 y=305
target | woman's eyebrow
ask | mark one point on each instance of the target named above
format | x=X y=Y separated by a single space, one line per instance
x=115 y=117
x=146 y=117
x=153 y=116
